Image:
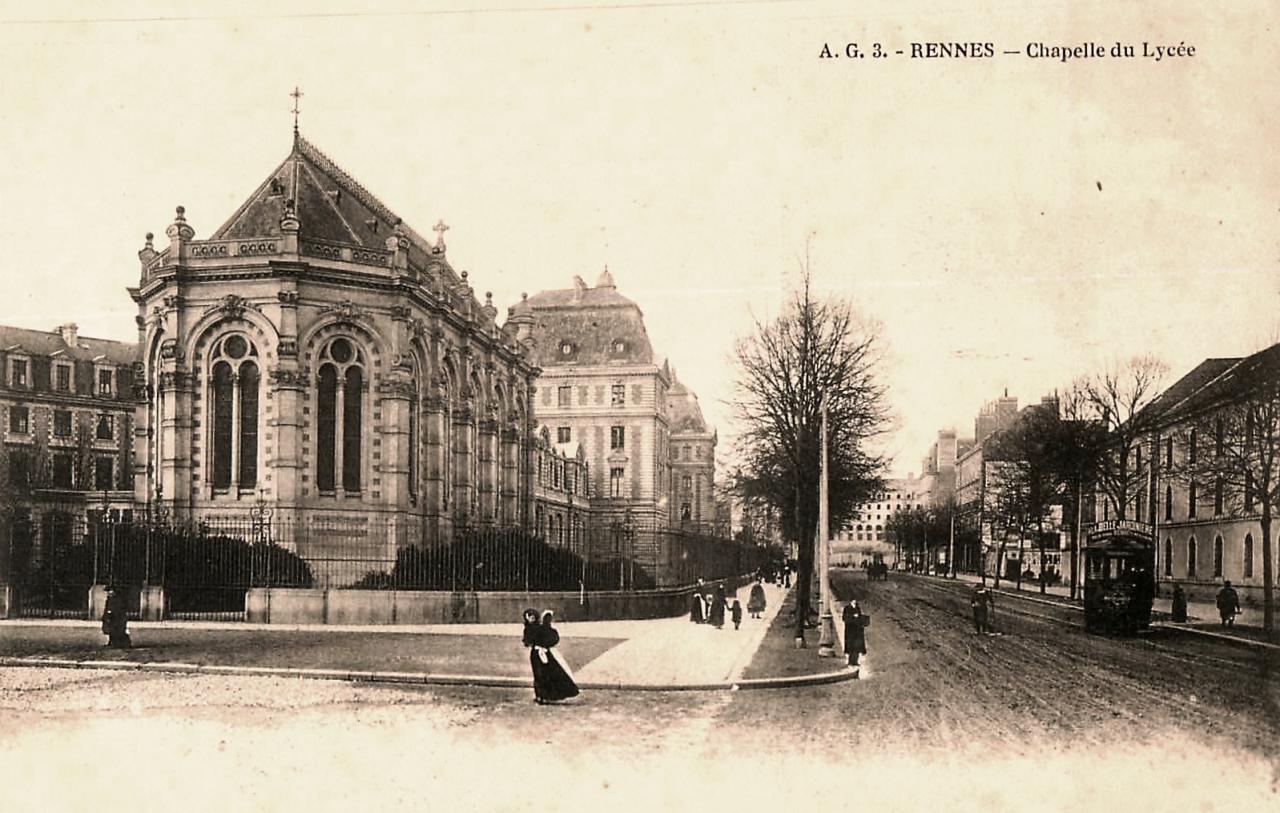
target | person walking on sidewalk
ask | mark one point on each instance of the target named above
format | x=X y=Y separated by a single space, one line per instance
x=115 y=620
x=718 y=605
x=736 y=612
x=756 y=603
x=981 y=601
x=1228 y=604
x=855 y=638
x=698 y=604
x=557 y=678
x=532 y=629
x=1179 y=608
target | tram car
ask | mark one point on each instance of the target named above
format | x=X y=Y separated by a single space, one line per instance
x=1119 y=585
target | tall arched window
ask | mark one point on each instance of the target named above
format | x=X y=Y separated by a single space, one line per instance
x=1168 y=557
x=1168 y=502
x=446 y=439
x=1247 y=565
x=1191 y=557
x=234 y=404
x=414 y=441
x=1217 y=557
x=339 y=416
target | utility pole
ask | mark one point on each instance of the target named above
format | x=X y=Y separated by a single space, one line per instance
x=951 y=546
x=826 y=640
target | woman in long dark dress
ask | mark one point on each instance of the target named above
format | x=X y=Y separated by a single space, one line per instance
x=718 y=605
x=532 y=629
x=695 y=608
x=855 y=638
x=553 y=679
x=756 y=603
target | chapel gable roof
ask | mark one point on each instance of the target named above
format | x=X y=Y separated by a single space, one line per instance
x=330 y=206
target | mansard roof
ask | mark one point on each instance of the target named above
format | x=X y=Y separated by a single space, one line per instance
x=42 y=343
x=684 y=416
x=600 y=325
x=330 y=206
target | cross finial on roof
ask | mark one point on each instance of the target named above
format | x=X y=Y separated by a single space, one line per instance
x=297 y=94
x=440 y=228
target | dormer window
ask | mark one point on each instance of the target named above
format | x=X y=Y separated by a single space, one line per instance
x=18 y=373
x=566 y=348
x=62 y=377
x=104 y=382
x=619 y=346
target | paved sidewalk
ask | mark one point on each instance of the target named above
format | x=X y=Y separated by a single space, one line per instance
x=643 y=654
x=675 y=651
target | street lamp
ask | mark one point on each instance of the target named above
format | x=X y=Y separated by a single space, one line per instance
x=827 y=637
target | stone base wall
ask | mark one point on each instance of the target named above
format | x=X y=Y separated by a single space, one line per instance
x=307 y=606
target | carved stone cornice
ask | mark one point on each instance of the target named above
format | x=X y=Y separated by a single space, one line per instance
x=286 y=379
x=169 y=349
x=390 y=388
x=231 y=305
x=400 y=313
x=177 y=380
x=346 y=309
x=288 y=298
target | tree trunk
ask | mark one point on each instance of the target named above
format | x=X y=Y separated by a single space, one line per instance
x=804 y=573
x=1075 y=540
x=1268 y=573
x=999 y=563
x=1022 y=533
x=1040 y=540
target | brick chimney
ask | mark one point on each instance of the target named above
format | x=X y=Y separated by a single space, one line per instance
x=68 y=332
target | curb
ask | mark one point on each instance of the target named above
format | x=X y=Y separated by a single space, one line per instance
x=423 y=678
x=1169 y=625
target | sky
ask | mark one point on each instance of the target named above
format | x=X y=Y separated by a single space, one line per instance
x=1010 y=223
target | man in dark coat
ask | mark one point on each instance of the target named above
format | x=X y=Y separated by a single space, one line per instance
x=855 y=638
x=1179 y=605
x=115 y=620
x=981 y=602
x=1228 y=604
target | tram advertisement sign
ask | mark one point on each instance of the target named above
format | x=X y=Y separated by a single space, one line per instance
x=1118 y=527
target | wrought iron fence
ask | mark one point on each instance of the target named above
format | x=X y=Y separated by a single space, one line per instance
x=206 y=566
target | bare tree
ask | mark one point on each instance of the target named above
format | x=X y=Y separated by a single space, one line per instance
x=1117 y=398
x=784 y=367
x=1079 y=444
x=1230 y=437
